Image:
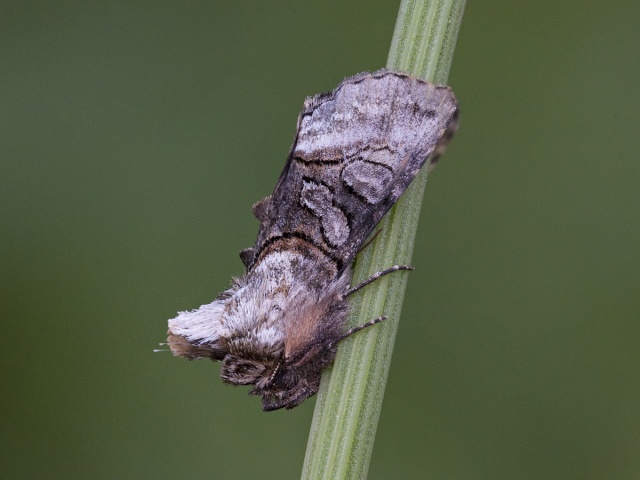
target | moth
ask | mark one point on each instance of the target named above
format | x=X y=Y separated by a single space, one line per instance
x=356 y=149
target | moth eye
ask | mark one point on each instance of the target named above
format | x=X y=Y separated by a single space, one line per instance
x=249 y=369
x=241 y=372
x=245 y=368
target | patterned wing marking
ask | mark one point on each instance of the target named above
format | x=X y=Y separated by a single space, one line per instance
x=356 y=151
x=319 y=199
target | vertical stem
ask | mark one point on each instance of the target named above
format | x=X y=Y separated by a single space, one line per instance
x=350 y=396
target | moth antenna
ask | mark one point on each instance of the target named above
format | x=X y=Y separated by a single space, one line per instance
x=375 y=277
x=275 y=371
x=356 y=329
x=368 y=242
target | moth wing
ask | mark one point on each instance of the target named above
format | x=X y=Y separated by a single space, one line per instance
x=356 y=150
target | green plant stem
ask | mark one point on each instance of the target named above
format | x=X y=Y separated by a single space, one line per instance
x=350 y=396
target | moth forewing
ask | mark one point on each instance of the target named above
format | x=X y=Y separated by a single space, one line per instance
x=355 y=152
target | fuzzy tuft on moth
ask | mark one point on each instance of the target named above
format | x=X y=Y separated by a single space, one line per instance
x=355 y=151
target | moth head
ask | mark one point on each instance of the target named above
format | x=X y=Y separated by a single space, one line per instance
x=314 y=328
x=252 y=358
x=293 y=380
x=281 y=381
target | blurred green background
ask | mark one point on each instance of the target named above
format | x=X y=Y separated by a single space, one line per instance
x=136 y=135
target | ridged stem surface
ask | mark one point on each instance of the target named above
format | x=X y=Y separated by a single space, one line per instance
x=350 y=397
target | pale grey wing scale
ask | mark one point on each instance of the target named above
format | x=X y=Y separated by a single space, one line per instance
x=356 y=150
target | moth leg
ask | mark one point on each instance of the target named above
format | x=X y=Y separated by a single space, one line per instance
x=374 y=277
x=356 y=329
x=374 y=236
